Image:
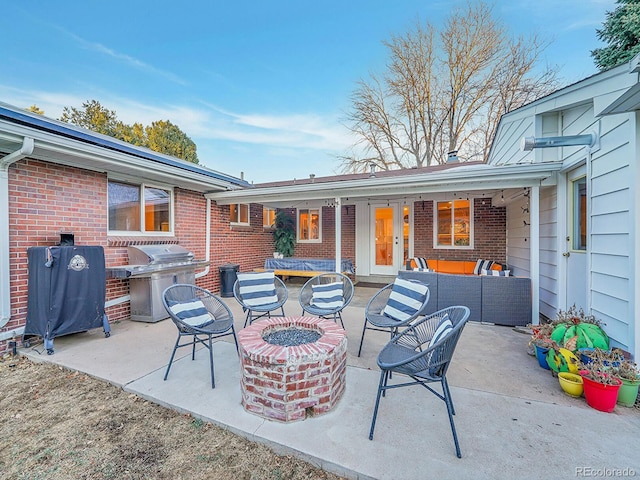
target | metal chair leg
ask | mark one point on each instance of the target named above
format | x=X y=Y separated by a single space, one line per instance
x=449 y=404
x=383 y=375
x=213 y=380
x=166 y=374
x=364 y=328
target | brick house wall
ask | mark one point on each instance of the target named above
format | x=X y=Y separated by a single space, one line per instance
x=46 y=199
x=490 y=230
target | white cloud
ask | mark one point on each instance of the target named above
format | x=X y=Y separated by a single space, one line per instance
x=122 y=57
x=204 y=123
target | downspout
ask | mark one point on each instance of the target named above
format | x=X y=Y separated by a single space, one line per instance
x=208 y=240
x=5 y=278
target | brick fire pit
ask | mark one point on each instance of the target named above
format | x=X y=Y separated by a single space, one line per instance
x=290 y=383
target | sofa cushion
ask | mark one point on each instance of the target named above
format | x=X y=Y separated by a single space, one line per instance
x=482 y=265
x=496 y=273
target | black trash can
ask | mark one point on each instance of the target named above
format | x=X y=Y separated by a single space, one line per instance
x=228 y=277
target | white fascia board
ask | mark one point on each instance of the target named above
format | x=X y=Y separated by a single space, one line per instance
x=54 y=148
x=479 y=178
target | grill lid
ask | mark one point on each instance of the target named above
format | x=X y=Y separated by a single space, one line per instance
x=157 y=254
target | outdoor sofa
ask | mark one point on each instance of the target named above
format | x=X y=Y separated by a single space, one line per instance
x=492 y=299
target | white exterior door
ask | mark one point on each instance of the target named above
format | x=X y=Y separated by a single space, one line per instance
x=387 y=243
x=575 y=252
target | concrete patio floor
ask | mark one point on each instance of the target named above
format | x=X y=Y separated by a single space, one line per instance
x=512 y=419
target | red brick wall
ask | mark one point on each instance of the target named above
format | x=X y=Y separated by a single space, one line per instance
x=490 y=227
x=327 y=249
x=46 y=199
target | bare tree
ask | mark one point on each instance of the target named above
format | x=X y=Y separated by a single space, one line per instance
x=442 y=91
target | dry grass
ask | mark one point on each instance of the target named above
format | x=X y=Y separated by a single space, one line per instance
x=58 y=424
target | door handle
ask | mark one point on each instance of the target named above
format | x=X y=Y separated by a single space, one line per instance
x=566 y=254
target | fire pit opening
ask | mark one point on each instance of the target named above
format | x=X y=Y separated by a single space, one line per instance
x=290 y=337
x=292 y=367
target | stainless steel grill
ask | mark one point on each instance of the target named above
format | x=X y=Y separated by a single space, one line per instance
x=151 y=269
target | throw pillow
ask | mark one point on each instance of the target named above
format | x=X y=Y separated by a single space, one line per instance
x=406 y=299
x=257 y=289
x=442 y=330
x=482 y=265
x=327 y=296
x=496 y=273
x=423 y=270
x=419 y=262
x=192 y=312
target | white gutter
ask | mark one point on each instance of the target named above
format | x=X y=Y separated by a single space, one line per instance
x=207 y=229
x=5 y=278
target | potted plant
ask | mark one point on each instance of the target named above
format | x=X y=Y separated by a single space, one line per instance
x=541 y=342
x=284 y=234
x=576 y=330
x=627 y=371
x=600 y=385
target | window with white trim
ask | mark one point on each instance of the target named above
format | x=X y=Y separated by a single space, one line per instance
x=239 y=213
x=268 y=217
x=309 y=225
x=139 y=208
x=454 y=224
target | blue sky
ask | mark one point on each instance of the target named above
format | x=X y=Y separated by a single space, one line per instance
x=260 y=86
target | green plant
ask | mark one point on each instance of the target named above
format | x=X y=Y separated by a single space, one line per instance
x=284 y=233
x=576 y=330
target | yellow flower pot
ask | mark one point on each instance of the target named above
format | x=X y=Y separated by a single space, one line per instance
x=571 y=383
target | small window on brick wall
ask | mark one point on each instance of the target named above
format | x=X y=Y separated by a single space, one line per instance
x=239 y=213
x=268 y=217
x=309 y=225
x=139 y=208
x=453 y=226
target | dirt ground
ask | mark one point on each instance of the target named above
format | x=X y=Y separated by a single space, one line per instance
x=58 y=424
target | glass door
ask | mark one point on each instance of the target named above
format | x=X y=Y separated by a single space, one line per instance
x=386 y=239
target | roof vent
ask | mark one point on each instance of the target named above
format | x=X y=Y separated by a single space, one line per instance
x=452 y=156
x=312 y=176
x=372 y=167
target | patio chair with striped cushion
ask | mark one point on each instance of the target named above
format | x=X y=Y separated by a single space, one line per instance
x=259 y=294
x=395 y=306
x=326 y=295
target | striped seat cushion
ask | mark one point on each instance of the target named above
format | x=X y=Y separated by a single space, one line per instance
x=192 y=312
x=442 y=330
x=405 y=300
x=329 y=295
x=257 y=289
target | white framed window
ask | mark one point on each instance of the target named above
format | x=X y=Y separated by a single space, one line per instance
x=139 y=208
x=453 y=225
x=310 y=225
x=268 y=217
x=239 y=214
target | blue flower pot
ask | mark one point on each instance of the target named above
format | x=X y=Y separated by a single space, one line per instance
x=541 y=355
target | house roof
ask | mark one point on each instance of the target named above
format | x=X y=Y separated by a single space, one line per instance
x=472 y=179
x=63 y=143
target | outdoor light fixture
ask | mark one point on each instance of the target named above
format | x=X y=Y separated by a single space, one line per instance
x=529 y=143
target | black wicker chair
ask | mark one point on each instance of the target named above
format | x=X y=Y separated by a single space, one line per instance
x=374 y=319
x=413 y=353
x=257 y=311
x=182 y=303
x=306 y=297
